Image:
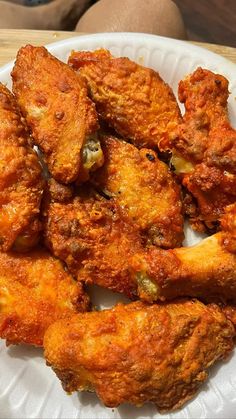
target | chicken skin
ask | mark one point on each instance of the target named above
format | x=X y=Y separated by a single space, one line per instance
x=100 y=246
x=94 y=237
x=229 y=311
x=35 y=291
x=206 y=270
x=21 y=183
x=138 y=353
x=204 y=147
x=145 y=188
x=62 y=119
x=132 y=99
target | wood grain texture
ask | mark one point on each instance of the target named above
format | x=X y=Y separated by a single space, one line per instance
x=12 y=40
x=210 y=20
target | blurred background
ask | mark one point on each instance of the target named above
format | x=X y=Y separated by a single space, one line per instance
x=211 y=21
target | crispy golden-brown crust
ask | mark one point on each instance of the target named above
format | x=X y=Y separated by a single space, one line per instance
x=57 y=192
x=145 y=188
x=139 y=353
x=132 y=99
x=100 y=245
x=35 y=291
x=54 y=100
x=204 y=95
x=205 y=270
x=204 y=146
x=21 y=183
x=229 y=311
x=213 y=190
x=228 y=225
x=95 y=238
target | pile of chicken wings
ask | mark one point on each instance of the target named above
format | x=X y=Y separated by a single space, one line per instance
x=103 y=200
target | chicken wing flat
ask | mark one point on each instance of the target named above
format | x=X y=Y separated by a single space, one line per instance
x=132 y=99
x=95 y=238
x=206 y=270
x=137 y=353
x=63 y=120
x=145 y=188
x=204 y=147
x=35 y=291
x=21 y=183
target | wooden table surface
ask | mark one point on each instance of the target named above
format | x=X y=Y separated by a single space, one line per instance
x=12 y=39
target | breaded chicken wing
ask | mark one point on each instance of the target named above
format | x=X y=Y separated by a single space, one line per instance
x=145 y=188
x=63 y=120
x=35 y=291
x=132 y=99
x=204 y=146
x=100 y=245
x=21 y=183
x=206 y=270
x=94 y=237
x=137 y=353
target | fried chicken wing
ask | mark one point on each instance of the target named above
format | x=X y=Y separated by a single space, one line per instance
x=62 y=118
x=204 y=95
x=145 y=188
x=206 y=270
x=21 y=183
x=204 y=146
x=132 y=99
x=35 y=291
x=94 y=237
x=137 y=353
x=99 y=245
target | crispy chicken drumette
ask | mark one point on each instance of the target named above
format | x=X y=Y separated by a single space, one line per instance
x=206 y=270
x=62 y=119
x=138 y=353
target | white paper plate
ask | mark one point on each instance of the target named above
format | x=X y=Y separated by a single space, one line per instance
x=29 y=389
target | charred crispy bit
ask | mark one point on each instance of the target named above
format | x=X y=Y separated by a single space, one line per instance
x=213 y=189
x=21 y=183
x=138 y=353
x=206 y=270
x=35 y=291
x=229 y=311
x=63 y=120
x=228 y=224
x=204 y=146
x=145 y=188
x=58 y=192
x=132 y=99
x=95 y=238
